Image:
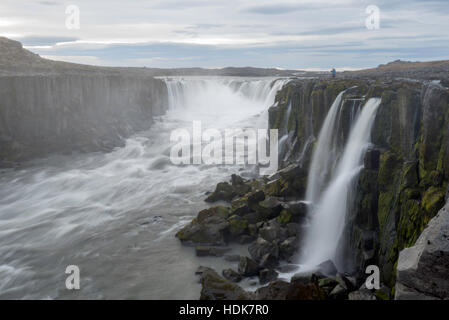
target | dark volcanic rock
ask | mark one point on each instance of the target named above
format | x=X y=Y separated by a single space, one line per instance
x=328 y=268
x=248 y=267
x=232 y=275
x=215 y=287
x=210 y=227
x=224 y=191
x=204 y=251
x=267 y=275
x=261 y=247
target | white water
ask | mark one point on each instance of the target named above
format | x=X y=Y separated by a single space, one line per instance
x=115 y=215
x=329 y=210
x=324 y=153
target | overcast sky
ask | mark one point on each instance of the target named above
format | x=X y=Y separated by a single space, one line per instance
x=300 y=34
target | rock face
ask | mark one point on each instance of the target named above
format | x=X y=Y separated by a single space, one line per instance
x=406 y=171
x=59 y=108
x=422 y=269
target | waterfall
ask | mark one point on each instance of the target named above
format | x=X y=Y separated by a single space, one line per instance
x=323 y=154
x=185 y=91
x=329 y=212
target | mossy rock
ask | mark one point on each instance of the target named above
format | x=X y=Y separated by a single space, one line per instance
x=217 y=211
x=237 y=225
x=284 y=217
x=433 y=200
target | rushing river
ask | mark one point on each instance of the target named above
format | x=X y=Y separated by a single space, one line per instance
x=114 y=215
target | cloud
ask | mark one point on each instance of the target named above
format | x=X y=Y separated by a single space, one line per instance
x=182 y=33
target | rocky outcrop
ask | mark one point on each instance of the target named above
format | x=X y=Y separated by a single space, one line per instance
x=422 y=269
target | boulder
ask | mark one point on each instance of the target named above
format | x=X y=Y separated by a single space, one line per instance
x=237 y=180
x=208 y=229
x=269 y=261
x=248 y=267
x=237 y=226
x=309 y=291
x=276 y=290
x=204 y=251
x=256 y=197
x=231 y=275
x=224 y=191
x=422 y=269
x=338 y=293
x=328 y=268
x=215 y=287
x=269 y=208
x=362 y=294
x=267 y=275
x=261 y=247
x=288 y=247
x=272 y=231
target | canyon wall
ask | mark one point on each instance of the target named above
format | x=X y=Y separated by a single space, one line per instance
x=406 y=171
x=61 y=113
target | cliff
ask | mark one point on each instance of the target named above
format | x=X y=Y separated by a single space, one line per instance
x=54 y=107
x=406 y=172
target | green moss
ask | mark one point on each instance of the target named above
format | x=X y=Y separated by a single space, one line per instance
x=284 y=217
x=381 y=295
x=433 y=200
x=384 y=205
x=237 y=225
x=388 y=169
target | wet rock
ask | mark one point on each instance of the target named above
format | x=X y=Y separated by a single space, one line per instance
x=204 y=251
x=253 y=217
x=338 y=293
x=268 y=261
x=305 y=277
x=288 y=247
x=210 y=227
x=256 y=197
x=248 y=267
x=270 y=208
x=328 y=268
x=241 y=210
x=327 y=284
x=224 y=191
x=297 y=210
x=272 y=231
x=236 y=180
x=261 y=247
x=371 y=159
x=293 y=229
x=237 y=226
x=267 y=275
x=362 y=294
x=276 y=290
x=215 y=287
x=286 y=268
x=231 y=275
x=309 y=291
x=245 y=239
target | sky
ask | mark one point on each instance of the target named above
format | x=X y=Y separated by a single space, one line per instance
x=288 y=34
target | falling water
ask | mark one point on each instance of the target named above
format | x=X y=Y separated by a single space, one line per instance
x=329 y=212
x=323 y=155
